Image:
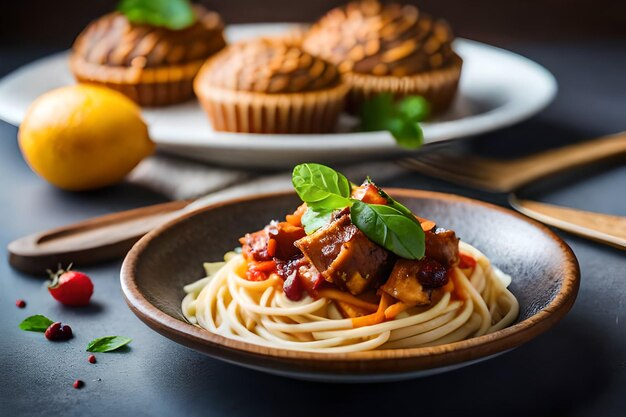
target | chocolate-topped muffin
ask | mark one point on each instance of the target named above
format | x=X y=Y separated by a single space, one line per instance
x=270 y=86
x=154 y=66
x=388 y=49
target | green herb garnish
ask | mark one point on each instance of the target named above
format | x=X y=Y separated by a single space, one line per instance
x=107 y=343
x=172 y=14
x=392 y=226
x=36 y=323
x=400 y=118
x=321 y=187
x=313 y=220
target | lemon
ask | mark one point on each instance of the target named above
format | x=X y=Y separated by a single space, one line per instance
x=83 y=137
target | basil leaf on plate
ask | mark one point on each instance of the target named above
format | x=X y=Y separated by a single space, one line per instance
x=390 y=228
x=172 y=14
x=36 y=323
x=321 y=187
x=107 y=343
x=401 y=119
x=313 y=219
x=407 y=134
x=414 y=108
x=376 y=111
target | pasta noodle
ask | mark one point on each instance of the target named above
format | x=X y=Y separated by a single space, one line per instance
x=226 y=303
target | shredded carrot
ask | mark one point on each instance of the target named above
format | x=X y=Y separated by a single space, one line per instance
x=375 y=318
x=271 y=247
x=346 y=297
x=393 y=310
x=293 y=220
x=427 y=225
x=368 y=320
x=265 y=266
x=296 y=218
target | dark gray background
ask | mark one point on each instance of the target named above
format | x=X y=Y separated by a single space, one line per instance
x=495 y=21
x=578 y=368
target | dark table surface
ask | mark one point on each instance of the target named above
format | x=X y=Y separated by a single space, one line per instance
x=577 y=368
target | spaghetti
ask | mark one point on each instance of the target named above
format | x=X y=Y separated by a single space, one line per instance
x=475 y=302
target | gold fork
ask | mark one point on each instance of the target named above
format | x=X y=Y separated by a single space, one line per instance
x=506 y=176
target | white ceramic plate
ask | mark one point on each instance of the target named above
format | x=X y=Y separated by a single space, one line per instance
x=498 y=88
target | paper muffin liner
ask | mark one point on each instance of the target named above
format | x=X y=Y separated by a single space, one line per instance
x=160 y=86
x=253 y=112
x=439 y=86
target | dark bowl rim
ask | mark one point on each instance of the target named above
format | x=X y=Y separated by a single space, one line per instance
x=386 y=359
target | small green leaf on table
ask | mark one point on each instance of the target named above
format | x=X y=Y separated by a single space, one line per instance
x=107 y=343
x=36 y=323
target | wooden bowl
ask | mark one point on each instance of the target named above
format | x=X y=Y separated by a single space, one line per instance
x=545 y=276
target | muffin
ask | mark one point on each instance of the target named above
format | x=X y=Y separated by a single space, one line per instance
x=154 y=66
x=270 y=86
x=388 y=49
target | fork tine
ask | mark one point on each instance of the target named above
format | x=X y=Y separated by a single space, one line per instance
x=456 y=164
x=461 y=179
x=442 y=172
x=467 y=160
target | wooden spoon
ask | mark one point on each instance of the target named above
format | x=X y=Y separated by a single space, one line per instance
x=98 y=239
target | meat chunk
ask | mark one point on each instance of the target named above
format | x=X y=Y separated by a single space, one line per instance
x=298 y=275
x=404 y=285
x=256 y=246
x=285 y=235
x=443 y=246
x=345 y=256
x=411 y=281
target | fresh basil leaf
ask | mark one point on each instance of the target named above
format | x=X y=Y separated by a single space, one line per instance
x=172 y=14
x=396 y=204
x=36 y=323
x=414 y=108
x=407 y=134
x=376 y=111
x=401 y=119
x=390 y=228
x=107 y=343
x=313 y=219
x=321 y=187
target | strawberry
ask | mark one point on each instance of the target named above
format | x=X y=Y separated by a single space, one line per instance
x=71 y=288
